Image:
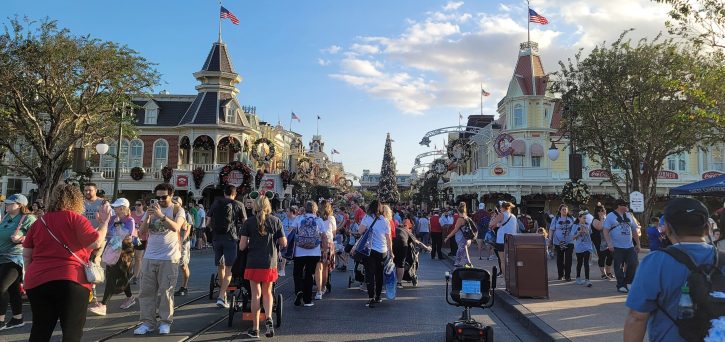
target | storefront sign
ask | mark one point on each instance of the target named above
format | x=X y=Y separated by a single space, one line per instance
x=498 y=171
x=182 y=181
x=712 y=174
x=599 y=173
x=667 y=175
x=235 y=178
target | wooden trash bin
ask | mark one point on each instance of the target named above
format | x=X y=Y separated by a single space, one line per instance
x=526 y=269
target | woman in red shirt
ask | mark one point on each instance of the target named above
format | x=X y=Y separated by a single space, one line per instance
x=55 y=280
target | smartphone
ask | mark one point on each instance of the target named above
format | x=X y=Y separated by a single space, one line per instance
x=154 y=201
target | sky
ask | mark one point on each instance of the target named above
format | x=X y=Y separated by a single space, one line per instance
x=367 y=68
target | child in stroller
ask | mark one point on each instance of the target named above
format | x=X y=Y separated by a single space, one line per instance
x=405 y=249
x=471 y=287
x=241 y=295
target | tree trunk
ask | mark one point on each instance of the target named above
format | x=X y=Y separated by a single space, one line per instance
x=53 y=171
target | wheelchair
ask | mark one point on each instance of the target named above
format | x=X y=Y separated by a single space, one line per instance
x=470 y=287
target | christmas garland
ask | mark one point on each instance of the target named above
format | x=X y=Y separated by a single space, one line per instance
x=255 y=150
x=439 y=166
x=258 y=179
x=137 y=173
x=229 y=142
x=323 y=174
x=458 y=151
x=286 y=178
x=498 y=196
x=184 y=144
x=166 y=173
x=575 y=192
x=304 y=166
x=198 y=176
x=236 y=166
x=204 y=143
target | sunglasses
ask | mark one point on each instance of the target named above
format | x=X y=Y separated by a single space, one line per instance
x=162 y=198
x=139 y=204
x=255 y=194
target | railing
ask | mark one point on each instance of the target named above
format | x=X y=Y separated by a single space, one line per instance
x=125 y=172
x=205 y=167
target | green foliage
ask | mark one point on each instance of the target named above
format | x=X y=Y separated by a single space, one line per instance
x=700 y=21
x=632 y=105
x=60 y=90
x=388 y=185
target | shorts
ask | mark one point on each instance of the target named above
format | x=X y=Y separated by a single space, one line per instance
x=185 y=253
x=142 y=246
x=400 y=254
x=261 y=275
x=226 y=248
x=498 y=247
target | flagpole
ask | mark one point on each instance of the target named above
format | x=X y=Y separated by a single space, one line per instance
x=531 y=48
x=290 y=121
x=318 y=125
x=220 y=22
x=481 y=93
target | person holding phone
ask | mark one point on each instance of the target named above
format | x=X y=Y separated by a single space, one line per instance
x=160 y=266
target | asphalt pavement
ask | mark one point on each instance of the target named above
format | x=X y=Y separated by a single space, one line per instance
x=417 y=314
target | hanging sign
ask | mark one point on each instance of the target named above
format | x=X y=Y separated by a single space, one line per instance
x=182 y=181
x=636 y=202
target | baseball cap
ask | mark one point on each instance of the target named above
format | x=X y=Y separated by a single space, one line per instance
x=17 y=198
x=481 y=206
x=686 y=212
x=120 y=202
x=621 y=202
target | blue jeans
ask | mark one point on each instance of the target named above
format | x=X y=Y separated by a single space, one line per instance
x=628 y=257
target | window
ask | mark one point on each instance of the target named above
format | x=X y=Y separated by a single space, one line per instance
x=229 y=116
x=222 y=157
x=161 y=153
x=151 y=116
x=136 y=157
x=518 y=161
x=716 y=158
x=535 y=161
x=202 y=157
x=518 y=116
x=677 y=162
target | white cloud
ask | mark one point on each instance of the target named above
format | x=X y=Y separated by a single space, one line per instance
x=332 y=49
x=441 y=60
x=323 y=62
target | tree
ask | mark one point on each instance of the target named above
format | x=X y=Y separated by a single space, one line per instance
x=699 y=21
x=632 y=106
x=61 y=91
x=388 y=185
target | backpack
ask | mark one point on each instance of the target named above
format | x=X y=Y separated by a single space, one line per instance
x=469 y=230
x=308 y=234
x=702 y=281
x=484 y=222
x=224 y=218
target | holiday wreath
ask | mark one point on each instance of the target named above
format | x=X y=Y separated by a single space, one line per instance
x=323 y=174
x=198 y=176
x=137 y=173
x=440 y=166
x=267 y=146
x=458 y=151
x=166 y=173
x=236 y=166
x=575 y=192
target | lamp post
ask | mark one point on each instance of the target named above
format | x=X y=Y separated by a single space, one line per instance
x=575 y=159
x=102 y=148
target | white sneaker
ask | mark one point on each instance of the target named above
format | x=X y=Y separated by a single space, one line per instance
x=623 y=289
x=308 y=304
x=164 y=329
x=318 y=296
x=222 y=303
x=98 y=309
x=281 y=273
x=142 y=330
x=579 y=281
x=129 y=302
x=588 y=283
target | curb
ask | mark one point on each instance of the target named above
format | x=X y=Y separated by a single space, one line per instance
x=542 y=330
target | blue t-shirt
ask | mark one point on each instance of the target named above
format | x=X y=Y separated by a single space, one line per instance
x=660 y=278
x=582 y=243
x=620 y=229
x=561 y=229
x=653 y=235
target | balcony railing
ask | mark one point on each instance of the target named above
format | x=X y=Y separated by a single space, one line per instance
x=205 y=167
x=125 y=172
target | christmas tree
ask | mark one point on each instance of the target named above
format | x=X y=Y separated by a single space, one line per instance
x=388 y=186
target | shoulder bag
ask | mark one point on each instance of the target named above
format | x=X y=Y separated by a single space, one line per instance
x=94 y=272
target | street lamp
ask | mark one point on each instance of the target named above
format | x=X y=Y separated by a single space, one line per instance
x=553 y=152
x=102 y=148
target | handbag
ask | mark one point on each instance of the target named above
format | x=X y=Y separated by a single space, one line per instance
x=94 y=272
x=363 y=246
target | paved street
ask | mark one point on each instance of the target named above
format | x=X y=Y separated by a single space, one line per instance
x=418 y=314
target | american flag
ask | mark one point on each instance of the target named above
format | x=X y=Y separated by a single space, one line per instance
x=536 y=18
x=318 y=117
x=485 y=93
x=295 y=117
x=334 y=151
x=226 y=14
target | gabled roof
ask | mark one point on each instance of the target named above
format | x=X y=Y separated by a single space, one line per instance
x=218 y=59
x=169 y=112
x=522 y=74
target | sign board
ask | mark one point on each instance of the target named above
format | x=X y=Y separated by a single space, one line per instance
x=712 y=174
x=599 y=173
x=272 y=182
x=636 y=202
x=182 y=181
x=498 y=171
x=236 y=178
x=667 y=175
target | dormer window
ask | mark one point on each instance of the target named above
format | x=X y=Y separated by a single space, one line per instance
x=152 y=113
x=229 y=116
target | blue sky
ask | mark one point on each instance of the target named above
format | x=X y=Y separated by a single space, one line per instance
x=366 y=67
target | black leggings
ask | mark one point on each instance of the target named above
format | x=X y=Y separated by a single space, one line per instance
x=60 y=299
x=582 y=259
x=604 y=258
x=10 y=275
x=563 y=261
x=114 y=276
x=303 y=272
x=374 y=274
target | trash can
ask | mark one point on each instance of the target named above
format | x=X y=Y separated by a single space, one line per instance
x=526 y=269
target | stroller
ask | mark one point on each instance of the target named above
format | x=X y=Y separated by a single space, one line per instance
x=411 y=266
x=241 y=295
x=471 y=287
